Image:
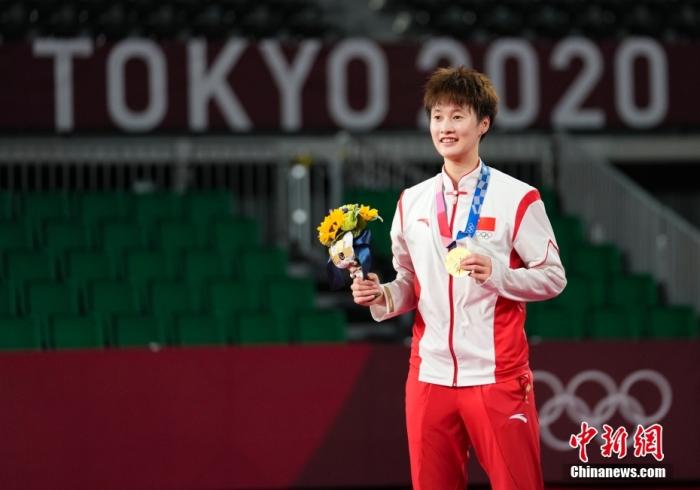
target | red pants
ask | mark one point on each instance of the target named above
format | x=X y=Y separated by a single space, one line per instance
x=498 y=420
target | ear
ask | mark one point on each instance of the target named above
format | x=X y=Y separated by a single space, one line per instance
x=484 y=125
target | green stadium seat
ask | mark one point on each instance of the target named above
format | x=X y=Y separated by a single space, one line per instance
x=27 y=265
x=19 y=334
x=145 y=266
x=616 y=323
x=228 y=297
x=263 y=263
x=173 y=237
x=60 y=237
x=96 y=208
x=75 y=332
x=596 y=261
x=137 y=331
x=286 y=294
x=198 y=329
x=158 y=206
x=261 y=327
x=8 y=299
x=14 y=235
x=551 y=201
x=202 y=265
x=7 y=205
x=85 y=266
x=568 y=231
x=203 y=208
x=231 y=235
x=108 y=298
x=633 y=291
x=117 y=237
x=38 y=207
x=169 y=298
x=672 y=322
x=555 y=322
x=581 y=293
x=45 y=299
x=321 y=326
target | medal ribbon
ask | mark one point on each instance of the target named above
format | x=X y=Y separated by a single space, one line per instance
x=474 y=212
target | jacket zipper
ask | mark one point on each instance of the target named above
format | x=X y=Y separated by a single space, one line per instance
x=452 y=309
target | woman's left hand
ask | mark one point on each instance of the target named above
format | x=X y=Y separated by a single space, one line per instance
x=479 y=266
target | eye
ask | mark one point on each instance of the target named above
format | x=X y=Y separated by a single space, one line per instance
x=457 y=116
x=437 y=117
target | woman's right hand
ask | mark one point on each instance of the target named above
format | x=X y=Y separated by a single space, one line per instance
x=367 y=292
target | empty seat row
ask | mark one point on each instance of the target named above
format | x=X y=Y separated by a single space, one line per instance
x=192 y=329
x=555 y=322
x=116 y=235
x=223 y=297
x=95 y=207
x=141 y=265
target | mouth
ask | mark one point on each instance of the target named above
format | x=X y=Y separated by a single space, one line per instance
x=448 y=140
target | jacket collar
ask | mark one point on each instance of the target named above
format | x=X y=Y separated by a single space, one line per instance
x=466 y=185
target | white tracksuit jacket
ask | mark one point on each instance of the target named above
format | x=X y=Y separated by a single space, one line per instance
x=466 y=333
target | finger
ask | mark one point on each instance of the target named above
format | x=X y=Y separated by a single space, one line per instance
x=374 y=278
x=364 y=300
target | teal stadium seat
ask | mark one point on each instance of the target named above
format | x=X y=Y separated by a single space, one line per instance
x=149 y=209
x=231 y=235
x=228 y=297
x=198 y=329
x=555 y=322
x=99 y=207
x=596 y=261
x=617 y=323
x=26 y=265
x=75 y=332
x=62 y=237
x=263 y=263
x=82 y=267
x=321 y=326
x=633 y=291
x=14 y=236
x=7 y=205
x=286 y=295
x=145 y=266
x=39 y=207
x=204 y=208
x=174 y=237
x=106 y=299
x=135 y=330
x=8 y=299
x=202 y=265
x=261 y=327
x=169 y=298
x=19 y=334
x=117 y=237
x=673 y=322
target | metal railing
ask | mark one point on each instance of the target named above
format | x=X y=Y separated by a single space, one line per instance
x=288 y=183
x=654 y=239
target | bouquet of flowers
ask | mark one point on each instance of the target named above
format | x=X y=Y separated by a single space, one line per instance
x=344 y=231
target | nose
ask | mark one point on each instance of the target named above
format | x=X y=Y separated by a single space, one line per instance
x=446 y=126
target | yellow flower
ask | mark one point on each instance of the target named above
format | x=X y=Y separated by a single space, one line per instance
x=328 y=229
x=337 y=216
x=368 y=214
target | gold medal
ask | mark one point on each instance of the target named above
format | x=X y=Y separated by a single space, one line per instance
x=452 y=260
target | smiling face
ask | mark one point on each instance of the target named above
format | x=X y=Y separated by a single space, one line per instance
x=456 y=132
